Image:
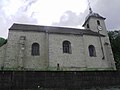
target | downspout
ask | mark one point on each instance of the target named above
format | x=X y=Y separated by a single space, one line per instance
x=101 y=45
x=47 y=47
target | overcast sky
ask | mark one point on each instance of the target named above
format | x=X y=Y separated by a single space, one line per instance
x=70 y=13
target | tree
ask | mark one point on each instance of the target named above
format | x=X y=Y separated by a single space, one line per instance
x=115 y=44
x=2 y=41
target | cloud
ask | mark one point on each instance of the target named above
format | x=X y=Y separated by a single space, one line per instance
x=28 y=4
x=12 y=11
x=24 y=11
x=110 y=10
x=71 y=19
x=106 y=8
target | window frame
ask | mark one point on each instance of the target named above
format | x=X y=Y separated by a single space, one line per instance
x=92 y=51
x=67 y=47
x=35 y=49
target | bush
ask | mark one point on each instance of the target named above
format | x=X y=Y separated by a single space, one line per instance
x=2 y=41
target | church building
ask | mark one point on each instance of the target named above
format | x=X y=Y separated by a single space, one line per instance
x=49 y=48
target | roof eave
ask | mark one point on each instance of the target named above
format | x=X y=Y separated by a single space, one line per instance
x=89 y=18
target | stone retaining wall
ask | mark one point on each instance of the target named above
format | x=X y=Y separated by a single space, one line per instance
x=36 y=80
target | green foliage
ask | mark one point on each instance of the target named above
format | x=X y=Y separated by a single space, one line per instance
x=2 y=41
x=115 y=44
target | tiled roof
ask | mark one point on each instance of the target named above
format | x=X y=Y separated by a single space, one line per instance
x=96 y=15
x=51 y=29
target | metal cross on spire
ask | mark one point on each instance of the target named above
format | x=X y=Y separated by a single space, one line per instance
x=90 y=9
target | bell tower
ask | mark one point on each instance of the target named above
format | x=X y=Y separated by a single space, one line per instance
x=95 y=22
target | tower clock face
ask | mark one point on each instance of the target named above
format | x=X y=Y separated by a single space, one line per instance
x=99 y=28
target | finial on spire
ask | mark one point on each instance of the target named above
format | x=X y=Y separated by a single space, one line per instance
x=90 y=9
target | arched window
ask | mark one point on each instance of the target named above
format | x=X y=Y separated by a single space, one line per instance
x=98 y=22
x=35 y=49
x=92 y=51
x=66 y=47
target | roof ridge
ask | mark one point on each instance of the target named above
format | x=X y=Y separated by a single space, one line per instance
x=52 y=29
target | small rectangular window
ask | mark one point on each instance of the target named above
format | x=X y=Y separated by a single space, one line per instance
x=98 y=22
x=88 y=26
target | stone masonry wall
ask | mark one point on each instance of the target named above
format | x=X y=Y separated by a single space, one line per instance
x=30 y=62
x=94 y=62
x=2 y=55
x=34 y=80
x=73 y=61
x=51 y=52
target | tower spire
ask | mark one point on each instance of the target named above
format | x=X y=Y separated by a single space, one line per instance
x=90 y=9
